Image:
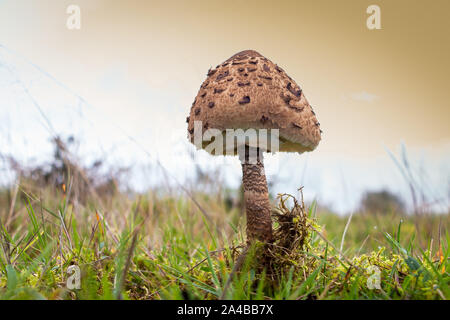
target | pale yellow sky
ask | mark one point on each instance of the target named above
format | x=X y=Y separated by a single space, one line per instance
x=368 y=87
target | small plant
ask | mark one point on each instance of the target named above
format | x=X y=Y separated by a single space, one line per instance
x=161 y=247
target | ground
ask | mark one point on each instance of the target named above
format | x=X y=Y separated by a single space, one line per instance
x=168 y=246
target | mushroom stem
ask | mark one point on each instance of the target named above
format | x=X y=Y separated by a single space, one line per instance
x=256 y=195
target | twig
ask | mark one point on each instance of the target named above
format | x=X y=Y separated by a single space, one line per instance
x=12 y=206
x=63 y=224
x=332 y=245
x=441 y=294
x=127 y=266
x=236 y=267
x=345 y=230
x=362 y=245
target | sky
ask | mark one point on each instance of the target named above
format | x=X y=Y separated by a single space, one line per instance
x=125 y=81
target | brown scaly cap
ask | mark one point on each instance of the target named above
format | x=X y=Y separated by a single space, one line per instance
x=250 y=91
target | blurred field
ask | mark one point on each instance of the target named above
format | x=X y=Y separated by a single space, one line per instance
x=177 y=246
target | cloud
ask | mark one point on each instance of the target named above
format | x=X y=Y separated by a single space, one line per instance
x=363 y=96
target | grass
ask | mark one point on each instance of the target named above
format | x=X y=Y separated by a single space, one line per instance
x=155 y=246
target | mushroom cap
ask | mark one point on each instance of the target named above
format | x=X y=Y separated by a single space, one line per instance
x=248 y=91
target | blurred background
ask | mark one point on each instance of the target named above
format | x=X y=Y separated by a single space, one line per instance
x=108 y=102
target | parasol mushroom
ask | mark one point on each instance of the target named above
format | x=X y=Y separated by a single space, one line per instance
x=248 y=91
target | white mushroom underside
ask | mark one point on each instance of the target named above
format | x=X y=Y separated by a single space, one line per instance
x=270 y=141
